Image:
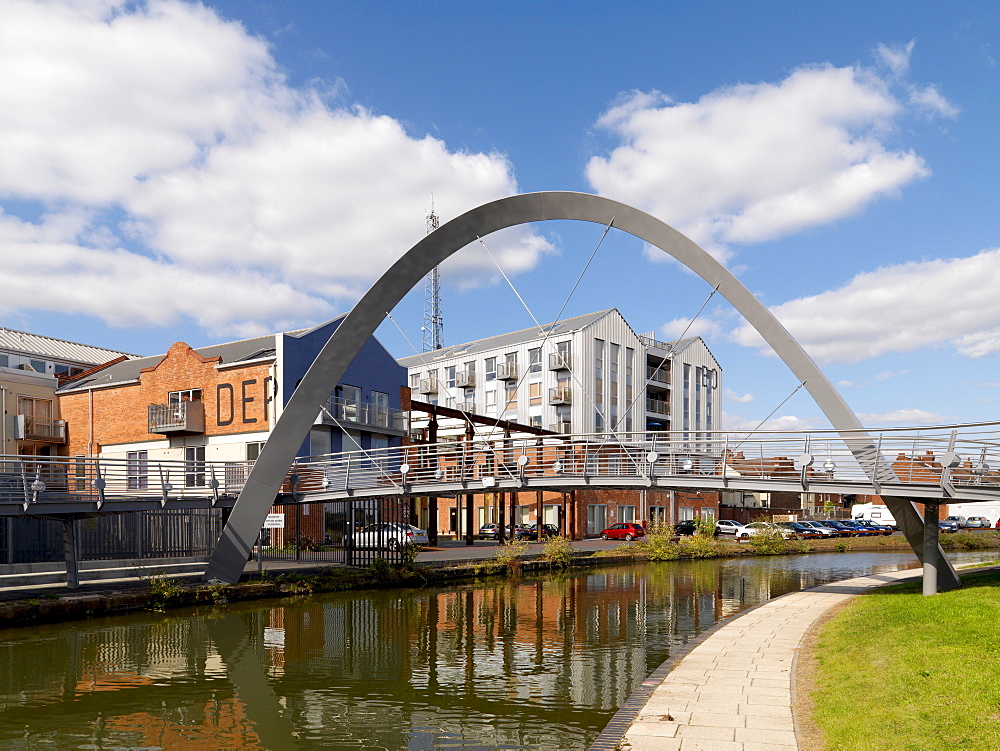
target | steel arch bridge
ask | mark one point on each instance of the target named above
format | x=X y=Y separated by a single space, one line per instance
x=278 y=453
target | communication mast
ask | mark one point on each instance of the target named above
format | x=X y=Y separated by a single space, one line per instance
x=433 y=328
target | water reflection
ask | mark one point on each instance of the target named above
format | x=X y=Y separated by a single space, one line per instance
x=541 y=663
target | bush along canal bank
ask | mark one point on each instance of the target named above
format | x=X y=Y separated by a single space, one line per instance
x=160 y=593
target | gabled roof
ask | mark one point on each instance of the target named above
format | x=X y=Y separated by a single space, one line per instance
x=512 y=339
x=128 y=370
x=56 y=349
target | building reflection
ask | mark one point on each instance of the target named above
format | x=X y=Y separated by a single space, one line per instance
x=538 y=662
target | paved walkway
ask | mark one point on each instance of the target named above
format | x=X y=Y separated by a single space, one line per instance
x=733 y=692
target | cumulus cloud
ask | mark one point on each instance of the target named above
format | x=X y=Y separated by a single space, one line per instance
x=899 y=308
x=784 y=422
x=902 y=417
x=732 y=396
x=703 y=327
x=756 y=162
x=162 y=144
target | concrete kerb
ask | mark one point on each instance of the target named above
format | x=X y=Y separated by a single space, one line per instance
x=617 y=732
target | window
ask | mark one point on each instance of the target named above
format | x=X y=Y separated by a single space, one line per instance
x=470 y=370
x=414 y=380
x=535 y=421
x=253 y=450
x=687 y=399
x=136 y=469
x=597 y=518
x=491 y=402
x=510 y=395
x=4 y=361
x=534 y=394
x=187 y=395
x=535 y=360
x=491 y=368
x=626 y=513
x=380 y=408
x=37 y=365
x=449 y=376
x=36 y=409
x=194 y=466
x=685 y=513
x=598 y=384
x=613 y=385
x=658 y=514
x=629 y=357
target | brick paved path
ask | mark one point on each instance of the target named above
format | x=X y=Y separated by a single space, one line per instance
x=733 y=692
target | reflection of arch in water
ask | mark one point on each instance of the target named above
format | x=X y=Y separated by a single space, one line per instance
x=291 y=428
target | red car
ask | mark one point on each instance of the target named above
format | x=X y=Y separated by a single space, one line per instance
x=623 y=531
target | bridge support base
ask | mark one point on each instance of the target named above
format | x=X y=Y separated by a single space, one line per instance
x=916 y=528
x=931 y=548
x=69 y=553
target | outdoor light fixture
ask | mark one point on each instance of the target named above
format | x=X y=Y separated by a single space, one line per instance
x=167 y=488
x=687 y=465
x=438 y=473
x=806 y=460
x=404 y=469
x=38 y=485
x=522 y=460
x=829 y=466
x=557 y=467
x=651 y=457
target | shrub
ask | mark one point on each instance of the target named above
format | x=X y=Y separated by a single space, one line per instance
x=557 y=552
x=968 y=541
x=843 y=547
x=768 y=541
x=509 y=555
x=699 y=546
x=162 y=592
x=657 y=545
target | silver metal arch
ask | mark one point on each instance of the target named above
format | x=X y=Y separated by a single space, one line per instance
x=264 y=481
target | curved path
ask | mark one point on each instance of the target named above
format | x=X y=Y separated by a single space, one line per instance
x=733 y=691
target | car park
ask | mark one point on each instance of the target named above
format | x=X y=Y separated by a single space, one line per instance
x=878 y=528
x=728 y=527
x=387 y=536
x=687 y=527
x=530 y=531
x=802 y=531
x=978 y=522
x=623 y=531
x=842 y=529
x=860 y=530
x=958 y=520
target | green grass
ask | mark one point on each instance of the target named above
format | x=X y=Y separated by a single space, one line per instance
x=897 y=670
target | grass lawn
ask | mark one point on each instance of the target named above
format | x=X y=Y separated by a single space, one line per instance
x=896 y=670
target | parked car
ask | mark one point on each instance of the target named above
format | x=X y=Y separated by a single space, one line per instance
x=386 y=535
x=489 y=532
x=756 y=528
x=958 y=520
x=842 y=529
x=860 y=530
x=879 y=528
x=623 y=531
x=728 y=527
x=978 y=522
x=947 y=526
x=691 y=527
x=822 y=528
x=530 y=532
x=802 y=531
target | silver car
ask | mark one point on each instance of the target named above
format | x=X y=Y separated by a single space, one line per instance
x=387 y=535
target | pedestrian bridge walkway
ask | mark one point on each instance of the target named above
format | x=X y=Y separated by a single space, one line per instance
x=942 y=464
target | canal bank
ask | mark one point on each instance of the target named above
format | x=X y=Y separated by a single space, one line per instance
x=733 y=688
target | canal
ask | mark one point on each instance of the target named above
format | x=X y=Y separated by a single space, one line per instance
x=537 y=663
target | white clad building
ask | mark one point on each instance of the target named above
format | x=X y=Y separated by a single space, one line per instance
x=588 y=374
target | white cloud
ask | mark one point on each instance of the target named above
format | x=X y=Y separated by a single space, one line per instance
x=732 y=396
x=784 y=422
x=703 y=327
x=272 y=203
x=756 y=162
x=899 y=308
x=902 y=417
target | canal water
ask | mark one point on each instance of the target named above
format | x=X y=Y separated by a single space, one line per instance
x=538 y=663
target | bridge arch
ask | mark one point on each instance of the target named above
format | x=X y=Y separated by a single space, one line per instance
x=269 y=470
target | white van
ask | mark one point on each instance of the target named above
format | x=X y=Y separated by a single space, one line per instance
x=873 y=512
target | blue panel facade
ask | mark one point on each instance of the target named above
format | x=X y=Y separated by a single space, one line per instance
x=374 y=369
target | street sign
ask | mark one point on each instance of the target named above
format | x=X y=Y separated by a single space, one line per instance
x=274 y=521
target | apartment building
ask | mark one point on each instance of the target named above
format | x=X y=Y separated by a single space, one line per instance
x=31 y=368
x=591 y=374
x=588 y=374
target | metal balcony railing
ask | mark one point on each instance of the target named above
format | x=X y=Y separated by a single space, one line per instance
x=178 y=417
x=507 y=372
x=428 y=386
x=467 y=407
x=349 y=412
x=560 y=361
x=45 y=430
x=657 y=375
x=561 y=395
x=465 y=380
x=565 y=428
x=658 y=406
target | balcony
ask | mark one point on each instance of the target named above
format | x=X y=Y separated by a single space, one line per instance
x=565 y=428
x=657 y=375
x=362 y=414
x=465 y=380
x=42 y=429
x=467 y=407
x=428 y=386
x=179 y=417
x=560 y=361
x=561 y=395
x=507 y=372
x=658 y=406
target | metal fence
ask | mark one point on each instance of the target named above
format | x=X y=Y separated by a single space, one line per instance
x=168 y=533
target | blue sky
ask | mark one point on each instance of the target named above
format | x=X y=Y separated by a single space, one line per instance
x=174 y=171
